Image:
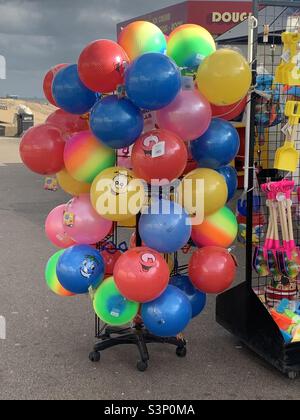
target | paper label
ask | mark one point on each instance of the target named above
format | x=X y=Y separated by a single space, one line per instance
x=266 y=33
x=286 y=56
x=280 y=197
x=159 y=149
x=287 y=129
x=188 y=83
x=115 y=313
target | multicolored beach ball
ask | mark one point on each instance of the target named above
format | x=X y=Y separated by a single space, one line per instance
x=189 y=45
x=218 y=229
x=142 y=37
x=113 y=308
x=85 y=157
x=51 y=277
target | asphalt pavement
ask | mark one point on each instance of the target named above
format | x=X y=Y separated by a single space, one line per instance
x=45 y=354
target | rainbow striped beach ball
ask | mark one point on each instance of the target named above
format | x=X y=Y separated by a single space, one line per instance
x=218 y=229
x=142 y=37
x=85 y=157
x=51 y=277
x=189 y=45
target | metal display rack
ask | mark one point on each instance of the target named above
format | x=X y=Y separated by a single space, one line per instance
x=136 y=334
x=243 y=310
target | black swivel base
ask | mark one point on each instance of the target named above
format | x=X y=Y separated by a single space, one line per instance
x=138 y=336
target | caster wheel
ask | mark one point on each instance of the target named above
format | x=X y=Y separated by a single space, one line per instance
x=293 y=375
x=95 y=357
x=142 y=366
x=181 y=352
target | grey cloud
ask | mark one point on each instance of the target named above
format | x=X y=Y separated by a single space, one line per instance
x=36 y=34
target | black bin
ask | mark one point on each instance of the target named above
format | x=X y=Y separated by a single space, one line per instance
x=24 y=121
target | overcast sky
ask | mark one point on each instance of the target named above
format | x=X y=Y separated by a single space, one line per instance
x=36 y=34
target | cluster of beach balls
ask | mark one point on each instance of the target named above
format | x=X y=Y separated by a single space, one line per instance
x=192 y=90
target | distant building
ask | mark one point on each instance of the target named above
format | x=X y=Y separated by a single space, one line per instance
x=218 y=17
x=12 y=97
x=225 y=20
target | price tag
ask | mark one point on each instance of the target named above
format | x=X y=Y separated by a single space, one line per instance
x=115 y=313
x=280 y=197
x=188 y=83
x=286 y=56
x=266 y=33
x=287 y=129
x=159 y=149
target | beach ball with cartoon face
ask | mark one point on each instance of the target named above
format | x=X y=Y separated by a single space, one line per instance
x=141 y=274
x=117 y=195
x=159 y=156
x=79 y=268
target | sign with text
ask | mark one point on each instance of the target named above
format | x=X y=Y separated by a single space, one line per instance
x=217 y=17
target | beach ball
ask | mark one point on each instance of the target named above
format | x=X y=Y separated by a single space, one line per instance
x=70 y=185
x=79 y=268
x=51 y=277
x=168 y=315
x=224 y=77
x=85 y=157
x=189 y=45
x=132 y=242
x=110 y=257
x=117 y=195
x=141 y=37
x=113 y=308
x=231 y=177
x=150 y=122
x=242 y=207
x=88 y=226
x=42 y=149
x=218 y=229
x=116 y=122
x=101 y=65
x=55 y=229
x=124 y=157
x=159 y=156
x=212 y=269
x=68 y=123
x=141 y=274
x=203 y=192
x=168 y=257
x=218 y=146
x=197 y=299
x=229 y=112
x=152 y=81
x=48 y=80
x=70 y=93
x=188 y=116
x=165 y=226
